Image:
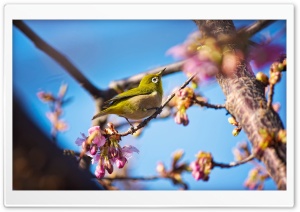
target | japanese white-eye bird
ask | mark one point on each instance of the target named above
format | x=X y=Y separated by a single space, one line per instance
x=136 y=103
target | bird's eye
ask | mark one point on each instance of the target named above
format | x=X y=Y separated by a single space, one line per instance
x=155 y=79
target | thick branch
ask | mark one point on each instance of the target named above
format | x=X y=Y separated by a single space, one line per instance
x=255 y=27
x=58 y=57
x=245 y=100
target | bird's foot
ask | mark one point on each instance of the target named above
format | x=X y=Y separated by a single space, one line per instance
x=131 y=128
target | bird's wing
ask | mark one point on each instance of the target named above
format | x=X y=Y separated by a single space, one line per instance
x=126 y=95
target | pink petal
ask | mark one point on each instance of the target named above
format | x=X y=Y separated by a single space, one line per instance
x=128 y=150
x=194 y=166
x=61 y=125
x=120 y=162
x=96 y=158
x=99 y=140
x=94 y=128
x=196 y=175
x=100 y=171
x=79 y=141
x=205 y=69
x=62 y=91
x=52 y=117
x=266 y=54
x=93 y=150
x=177 y=118
x=179 y=51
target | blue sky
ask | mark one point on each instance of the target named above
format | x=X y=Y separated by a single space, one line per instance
x=111 y=50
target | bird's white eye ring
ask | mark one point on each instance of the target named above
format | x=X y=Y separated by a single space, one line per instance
x=155 y=79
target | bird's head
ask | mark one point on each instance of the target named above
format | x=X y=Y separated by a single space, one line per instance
x=153 y=81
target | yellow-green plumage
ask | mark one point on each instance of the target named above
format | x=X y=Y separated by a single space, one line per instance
x=139 y=102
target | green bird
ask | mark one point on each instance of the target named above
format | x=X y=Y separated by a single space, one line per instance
x=136 y=103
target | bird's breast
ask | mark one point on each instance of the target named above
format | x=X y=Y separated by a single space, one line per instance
x=144 y=105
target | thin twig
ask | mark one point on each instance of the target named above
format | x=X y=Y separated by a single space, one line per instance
x=233 y=164
x=270 y=96
x=184 y=185
x=59 y=58
x=133 y=178
x=158 y=111
x=208 y=105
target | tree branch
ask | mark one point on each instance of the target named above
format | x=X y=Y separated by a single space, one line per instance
x=245 y=99
x=233 y=164
x=183 y=184
x=208 y=105
x=132 y=178
x=59 y=58
x=123 y=84
x=158 y=111
x=270 y=95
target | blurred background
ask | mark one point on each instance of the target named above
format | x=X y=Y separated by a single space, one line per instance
x=110 y=50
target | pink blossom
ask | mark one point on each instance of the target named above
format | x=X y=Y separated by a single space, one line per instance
x=58 y=124
x=105 y=155
x=79 y=141
x=92 y=129
x=186 y=49
x=120 y=162
x=201 y=166
x=128 y=150
x=100 y=171
x=108 y=165
x=205 y=69
x=179 y=51
x=265 y=54
x=99 y=139
x=93 y=150
x=181 y=118
x=45 y=97
x=276 y=107
x=95 y=158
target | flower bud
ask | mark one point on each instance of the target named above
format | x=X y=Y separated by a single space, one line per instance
x=281 y=136
x=100 y=171
x=46 y=97
x=280 y=67
x=62 y=90
x=264 y=79
x=113 y=152
x=160 y=168
x=232 y=121
x=93 y=150
x=236 y=131
x=108 y=166
x=120 y=162
x=178 y=155
x=276 y=107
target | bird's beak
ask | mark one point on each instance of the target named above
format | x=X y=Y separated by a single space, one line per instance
x=161 y=72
